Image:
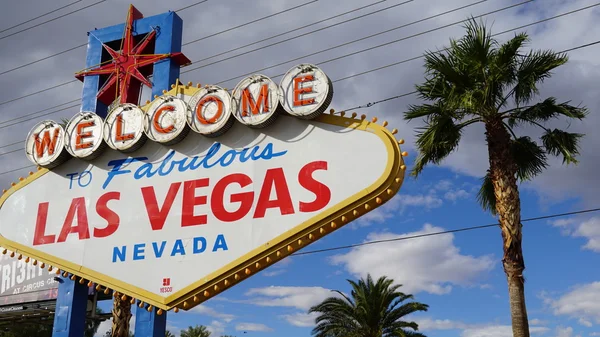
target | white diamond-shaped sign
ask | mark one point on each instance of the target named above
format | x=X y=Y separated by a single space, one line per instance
x=173 y=226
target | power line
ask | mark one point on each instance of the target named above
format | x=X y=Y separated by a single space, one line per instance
x=38 y=113
x=17 y=169
x=371 y=36
x=355 y=75
x=190 y=6
x=9 y=152
x=79 y=46
x=38 y=92
x=187 y=43
x=463 y=229
x=304 y=34
x=425 y=32
x=40 y=16
x=355 y=108
x=53 y=19
x=368 y=105
x=299 y=36
x=48 y=113
x=11 y=144
x=251 y=22
x=293 y=30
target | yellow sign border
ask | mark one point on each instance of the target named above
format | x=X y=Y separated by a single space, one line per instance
x=276 y=249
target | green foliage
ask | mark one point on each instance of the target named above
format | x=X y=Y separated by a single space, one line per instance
x=196 y=331
x=474 y=80
x=374 y=309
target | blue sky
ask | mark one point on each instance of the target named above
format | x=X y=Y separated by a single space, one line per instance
x=465 y=289
x=458 y=275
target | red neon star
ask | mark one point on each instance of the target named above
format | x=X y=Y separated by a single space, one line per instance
x=129 y=67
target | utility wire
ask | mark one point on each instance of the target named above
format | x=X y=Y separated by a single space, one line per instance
x=251 y=22
x=45 y=114
x=40 y=16
x=371 y=36
x=11 y=144
x=293 y=30
x=355 y=75
x=355 y=108
x=187 y=43
x=53 y=19
x=190 y=6
x=17 y=169
x=319 y=52
x=9 y=152
x=463 y=229
x=37 y=114
x=178 y=10
x=299 y=36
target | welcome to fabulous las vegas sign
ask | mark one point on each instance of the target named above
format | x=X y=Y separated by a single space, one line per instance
x=175 y=201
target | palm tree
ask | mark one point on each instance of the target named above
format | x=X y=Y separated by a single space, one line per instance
x=121 y=315
x=374 y=309
x=195 y=331
x=474 y=81
x=169 y=334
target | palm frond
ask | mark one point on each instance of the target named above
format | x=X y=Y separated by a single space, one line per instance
x=558 y=142
x=544 y=111
x=436 y=141
x=529 y=157
x=476 y=46
x=486 y=196
x=533 y=70
x=503 y=68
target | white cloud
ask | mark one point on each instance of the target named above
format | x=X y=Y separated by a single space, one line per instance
x=397 y=205
x=272 y=273
x=432 y=264
x=536 y=321
x=477 y=330
x=104 y=327
x=588 y=229
x=585 y=322
x=296 y=297
x=252 y=327
x=454 y=195
x=301 y=319
x=204 y=310
x=216 y=327
x=564 y=332
x=581 y=303
x=428 y=324
x=443 y=185
x=499 y=331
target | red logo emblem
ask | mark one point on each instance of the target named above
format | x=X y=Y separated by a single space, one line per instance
x=166 y=282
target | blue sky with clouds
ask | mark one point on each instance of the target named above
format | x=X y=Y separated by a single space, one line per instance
x=458 y=275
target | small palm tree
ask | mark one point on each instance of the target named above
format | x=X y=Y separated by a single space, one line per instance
x=169 y=334
x=374 y=309
x=474 y=82
x=195 y=331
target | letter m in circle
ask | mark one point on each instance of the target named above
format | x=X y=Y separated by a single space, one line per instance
x=248 y=101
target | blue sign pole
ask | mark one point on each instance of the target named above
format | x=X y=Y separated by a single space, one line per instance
x=71 y=305
x=166 y=32
x=149 y=324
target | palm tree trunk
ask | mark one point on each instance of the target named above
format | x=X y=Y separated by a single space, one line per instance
x=508 y=207
x=121 y=315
